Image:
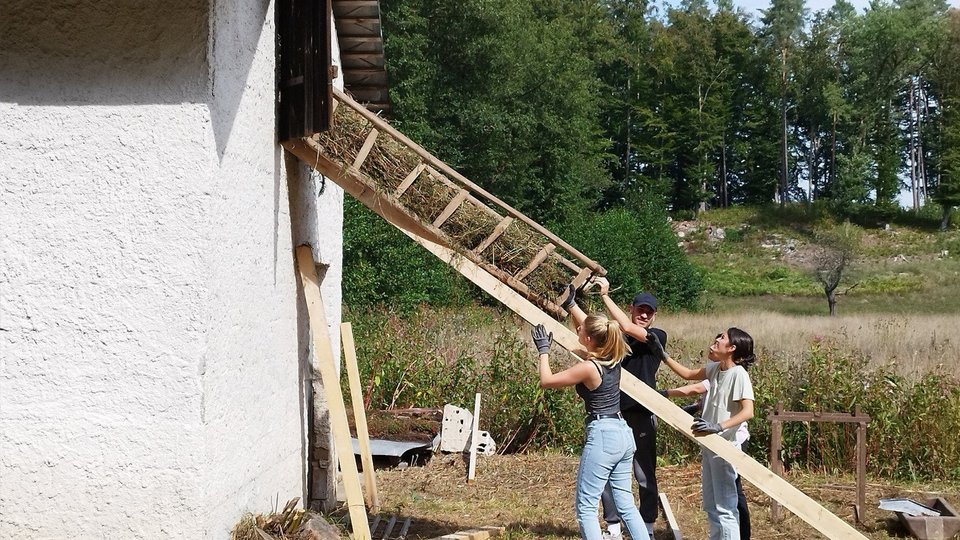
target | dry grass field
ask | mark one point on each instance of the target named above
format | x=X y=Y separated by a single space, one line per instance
x=914 y=344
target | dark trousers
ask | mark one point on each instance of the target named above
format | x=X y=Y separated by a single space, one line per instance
x=744 y=511
x=644 y=429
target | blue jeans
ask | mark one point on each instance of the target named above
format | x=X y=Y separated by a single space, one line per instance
x=720 y=496
x=607 y=457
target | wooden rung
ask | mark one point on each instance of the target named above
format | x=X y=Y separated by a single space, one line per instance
x=389 y=529
x=365 y=149
x=537 y=261
x=572 y=266
x=577 y=282
x=497 y=233
x=451 y=208
x=409 y=180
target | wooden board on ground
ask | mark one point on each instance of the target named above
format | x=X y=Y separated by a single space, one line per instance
x=671 y=520
x=482 y=533
x=370 y=493
x=474 y=440
x=323 y=363
x=790 y=497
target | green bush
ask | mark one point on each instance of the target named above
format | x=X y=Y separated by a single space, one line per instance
x=381 y=266
x=912 y=434
x=640 y=253
x=430 y=357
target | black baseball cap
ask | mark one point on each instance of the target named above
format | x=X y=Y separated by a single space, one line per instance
x=645 y=299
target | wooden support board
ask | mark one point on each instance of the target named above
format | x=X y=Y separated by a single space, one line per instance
x=482 y=533
x=790 y=497
x=671 y=520
x=324 y=364
x=474 y=440
x=370 y=493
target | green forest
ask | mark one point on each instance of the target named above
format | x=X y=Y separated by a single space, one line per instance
x=601 y=118
x=570 y=107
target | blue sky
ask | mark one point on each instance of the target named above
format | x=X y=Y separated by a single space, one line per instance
x=754 y=6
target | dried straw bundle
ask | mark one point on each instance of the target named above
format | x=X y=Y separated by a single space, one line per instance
x=389 y=162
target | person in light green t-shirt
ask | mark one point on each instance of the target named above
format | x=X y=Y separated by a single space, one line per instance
x=727 y=405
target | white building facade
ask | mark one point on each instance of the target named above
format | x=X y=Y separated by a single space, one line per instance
x=153 y=345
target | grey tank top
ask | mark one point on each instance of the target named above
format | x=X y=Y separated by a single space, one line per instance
x=606 y=398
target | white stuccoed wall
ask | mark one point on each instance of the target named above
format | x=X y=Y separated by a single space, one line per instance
x=151 y=351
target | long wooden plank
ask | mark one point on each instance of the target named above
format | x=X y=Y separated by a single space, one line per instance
x=452 y=207
x=474 y=188
x=793 y=499
x=537 y=261
x=497 y=233
x=671 y=520
x=370 y=493
x=474 y=439
x=324 y=364
x=365 y=149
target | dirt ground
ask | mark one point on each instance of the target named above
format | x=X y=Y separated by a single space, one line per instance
x=532 y=496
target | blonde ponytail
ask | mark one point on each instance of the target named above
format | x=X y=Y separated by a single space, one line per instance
x=609 y=345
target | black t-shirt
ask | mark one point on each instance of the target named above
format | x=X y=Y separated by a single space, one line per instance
x=642 y=364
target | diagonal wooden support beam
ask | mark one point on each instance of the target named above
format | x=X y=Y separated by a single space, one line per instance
x=323 y=364
x=790 y=497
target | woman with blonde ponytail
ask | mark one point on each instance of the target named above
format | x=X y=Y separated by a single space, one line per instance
x=607 y=455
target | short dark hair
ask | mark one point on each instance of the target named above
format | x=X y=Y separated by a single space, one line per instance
x=743 y=354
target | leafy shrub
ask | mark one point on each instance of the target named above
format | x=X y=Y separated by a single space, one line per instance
x=640 y=253
x=911 y=434
x=381 y=266
x=430 y=357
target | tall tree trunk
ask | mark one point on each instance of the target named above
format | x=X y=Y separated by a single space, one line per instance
x=724 y=199
x=626 y=150
x=914 y=185
x=783 y=131
x=831 y=300
x=833 y=152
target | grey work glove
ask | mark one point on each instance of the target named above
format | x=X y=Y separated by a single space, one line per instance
x=570 y=299
x=702 y=426
x=655 y=346
x=692 y=408
x=542 y=339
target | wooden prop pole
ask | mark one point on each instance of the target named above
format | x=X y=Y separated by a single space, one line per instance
x=323 y=363
x=370 y=493
x=474 y=436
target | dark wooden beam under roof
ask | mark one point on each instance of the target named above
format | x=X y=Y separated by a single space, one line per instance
x=359 y=33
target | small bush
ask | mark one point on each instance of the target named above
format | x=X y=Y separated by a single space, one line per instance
x=381 y=266
x=640 y=253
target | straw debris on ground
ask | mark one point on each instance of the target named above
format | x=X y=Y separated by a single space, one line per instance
x=532 y=495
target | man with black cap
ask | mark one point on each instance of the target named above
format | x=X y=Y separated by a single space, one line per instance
x=643 y=364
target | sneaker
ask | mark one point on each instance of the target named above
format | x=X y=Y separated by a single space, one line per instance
x=608 y=536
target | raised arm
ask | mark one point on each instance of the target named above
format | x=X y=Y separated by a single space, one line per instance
x=617 y=314
x=681 y=370
x=686 y=391
x=581 y=372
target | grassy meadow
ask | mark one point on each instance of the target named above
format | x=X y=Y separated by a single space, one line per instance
x=893 y=349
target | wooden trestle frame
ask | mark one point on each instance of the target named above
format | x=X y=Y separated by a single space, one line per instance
x=535 y=310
